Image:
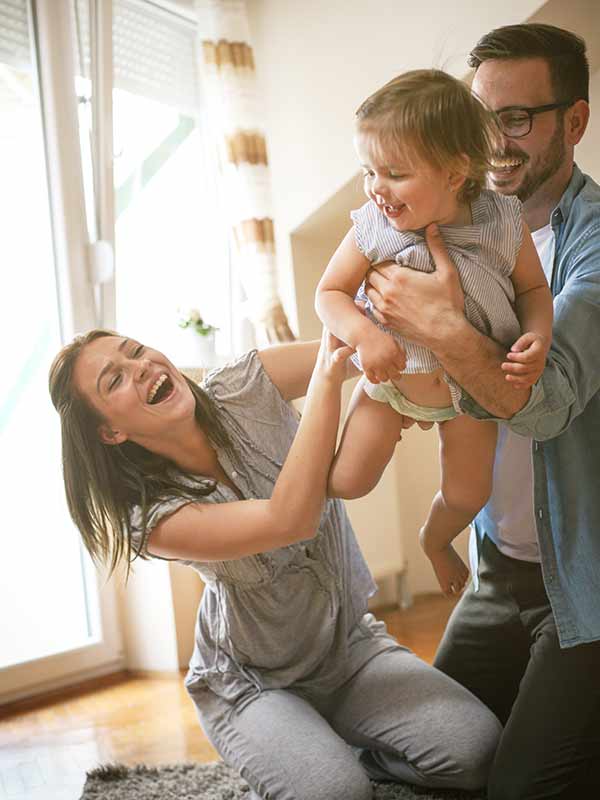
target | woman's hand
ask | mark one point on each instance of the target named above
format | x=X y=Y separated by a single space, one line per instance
x=332 y=358
x=417 y=303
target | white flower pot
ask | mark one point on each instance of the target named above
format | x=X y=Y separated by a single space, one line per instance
x=197 y=350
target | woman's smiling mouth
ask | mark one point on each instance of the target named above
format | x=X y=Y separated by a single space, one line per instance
x=160 y=390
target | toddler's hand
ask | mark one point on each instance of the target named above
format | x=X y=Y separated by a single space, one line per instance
x=381 y=357
x=450 y=570
x=526 y=360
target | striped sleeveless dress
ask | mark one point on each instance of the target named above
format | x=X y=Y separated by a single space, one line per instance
x=484 y=253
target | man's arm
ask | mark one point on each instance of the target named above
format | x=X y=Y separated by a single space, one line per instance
x=427 y=308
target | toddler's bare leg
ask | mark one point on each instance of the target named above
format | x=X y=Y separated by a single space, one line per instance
x=467 y=449
x=371 y=432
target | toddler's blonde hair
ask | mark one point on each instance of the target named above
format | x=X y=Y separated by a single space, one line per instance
x=427 y=115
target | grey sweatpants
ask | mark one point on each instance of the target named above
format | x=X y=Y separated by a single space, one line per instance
x=411 y=722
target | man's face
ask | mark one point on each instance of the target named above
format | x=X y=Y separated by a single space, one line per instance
x=523 y=165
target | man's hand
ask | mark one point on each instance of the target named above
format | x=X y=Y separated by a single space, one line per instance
x=413 y=302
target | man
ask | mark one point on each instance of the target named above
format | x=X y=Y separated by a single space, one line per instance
x=525 y=637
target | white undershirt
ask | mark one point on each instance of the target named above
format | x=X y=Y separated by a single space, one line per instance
x=510 y=507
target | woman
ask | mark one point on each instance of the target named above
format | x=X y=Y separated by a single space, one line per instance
x=288 y=668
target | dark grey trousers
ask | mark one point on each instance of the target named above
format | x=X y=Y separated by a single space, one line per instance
x=501 y=643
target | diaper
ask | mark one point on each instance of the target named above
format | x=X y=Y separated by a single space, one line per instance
x=388 y=393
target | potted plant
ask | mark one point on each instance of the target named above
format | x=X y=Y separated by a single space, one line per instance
x=201 y=337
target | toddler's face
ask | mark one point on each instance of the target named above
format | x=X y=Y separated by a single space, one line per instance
x=410 y=193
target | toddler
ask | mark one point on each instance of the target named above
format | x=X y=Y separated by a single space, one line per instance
x=425 y=144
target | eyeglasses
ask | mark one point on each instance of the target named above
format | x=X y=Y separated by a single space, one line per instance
x=516 y=121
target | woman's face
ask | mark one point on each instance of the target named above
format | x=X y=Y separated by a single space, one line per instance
x=135 y=389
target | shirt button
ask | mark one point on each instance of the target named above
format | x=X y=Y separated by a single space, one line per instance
x=536 y=446
x=234 y=474
x=540 y=513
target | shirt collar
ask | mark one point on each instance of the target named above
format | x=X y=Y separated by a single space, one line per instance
x=562 y=210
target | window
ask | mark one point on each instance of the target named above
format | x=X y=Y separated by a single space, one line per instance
x=52 y=609
x=171 y=241
x=171 y=253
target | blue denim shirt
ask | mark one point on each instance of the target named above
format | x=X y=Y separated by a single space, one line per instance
x=563 y=418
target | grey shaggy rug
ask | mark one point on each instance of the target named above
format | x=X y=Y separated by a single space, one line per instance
x=213 y=782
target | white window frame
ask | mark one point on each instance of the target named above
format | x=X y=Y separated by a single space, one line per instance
x=102 y=157
x=86 y=288
x=52 y=36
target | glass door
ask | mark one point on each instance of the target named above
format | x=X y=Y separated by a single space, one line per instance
x=54 y=623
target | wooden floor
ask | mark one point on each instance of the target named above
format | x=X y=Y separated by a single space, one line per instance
x=46 y=746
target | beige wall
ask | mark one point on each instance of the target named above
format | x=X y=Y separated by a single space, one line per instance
x=316 y=61
x=587 y=153
x=147 y=618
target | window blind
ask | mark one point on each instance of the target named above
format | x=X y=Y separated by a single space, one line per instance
x=14 y=34
x=154 y=52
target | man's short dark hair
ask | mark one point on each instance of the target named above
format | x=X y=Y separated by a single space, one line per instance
x=563 y=51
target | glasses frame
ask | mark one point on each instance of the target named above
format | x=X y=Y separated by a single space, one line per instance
x=531 y=112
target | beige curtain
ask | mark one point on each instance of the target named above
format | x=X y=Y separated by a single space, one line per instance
x=233 y=114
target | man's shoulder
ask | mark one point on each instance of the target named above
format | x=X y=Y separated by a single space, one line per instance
x=582 y=224
x=588 y=199
x=585 y=202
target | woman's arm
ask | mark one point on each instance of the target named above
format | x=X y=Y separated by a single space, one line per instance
x=207 y=532
x=289 y=366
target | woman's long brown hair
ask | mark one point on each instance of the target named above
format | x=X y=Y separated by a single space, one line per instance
x=103 y=482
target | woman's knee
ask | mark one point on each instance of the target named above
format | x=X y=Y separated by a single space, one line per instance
x=461 y=759
x=360 y=789
x=316 y=783
x=337 y=784
x=477 y=768
x=472 y=754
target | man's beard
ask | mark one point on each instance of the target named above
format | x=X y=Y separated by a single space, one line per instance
x=548 y=163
